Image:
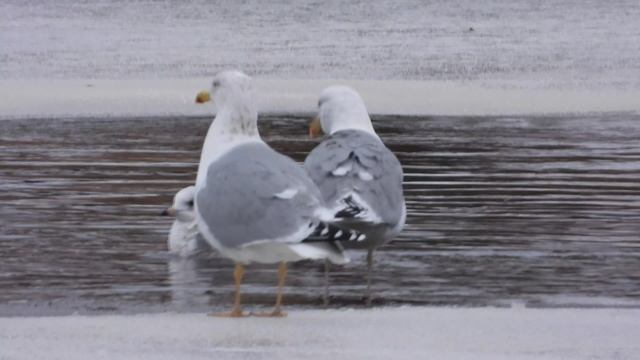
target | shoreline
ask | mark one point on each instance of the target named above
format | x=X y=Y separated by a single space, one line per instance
x=77 y=98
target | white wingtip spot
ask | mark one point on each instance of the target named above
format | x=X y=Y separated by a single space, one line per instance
x=342 y=170
x=337 y=234
x=365 y=176
x=325 y=231
x=362 y=237
x=353 y=236
x=286 y=194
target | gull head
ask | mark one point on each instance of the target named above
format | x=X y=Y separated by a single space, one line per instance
x=340 y=108
x=234 y=96
x=183 y=206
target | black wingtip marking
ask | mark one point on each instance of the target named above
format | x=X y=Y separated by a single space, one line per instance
x=332 y=233
x=352 y=209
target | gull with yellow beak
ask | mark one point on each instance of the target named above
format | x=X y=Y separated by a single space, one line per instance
x=252 y=203
x=353 y=168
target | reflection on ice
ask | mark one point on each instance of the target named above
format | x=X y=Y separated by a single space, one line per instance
x=189 y=286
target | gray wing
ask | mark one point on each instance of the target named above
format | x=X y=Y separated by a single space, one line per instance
x=255 y=194
x=353 y=161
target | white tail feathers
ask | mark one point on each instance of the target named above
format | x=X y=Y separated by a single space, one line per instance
x=321 y=250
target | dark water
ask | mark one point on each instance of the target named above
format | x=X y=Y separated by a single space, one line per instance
x=541 y=211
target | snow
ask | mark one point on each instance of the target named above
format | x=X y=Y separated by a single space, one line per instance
x=407 y=57
x=163 y=97
x=388 y=333
x=550 y=45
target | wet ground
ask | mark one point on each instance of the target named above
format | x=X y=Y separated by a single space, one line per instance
x=541 y=211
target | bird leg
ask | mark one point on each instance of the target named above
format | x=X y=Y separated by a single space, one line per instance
x=369 y=273
x=325 y=298
x=236 y=311
x=277 y=310
x=282 y=274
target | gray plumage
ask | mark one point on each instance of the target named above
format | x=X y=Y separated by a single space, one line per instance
x=253 y=204
x=356 y=174
x=254 y=194
x=352 y=162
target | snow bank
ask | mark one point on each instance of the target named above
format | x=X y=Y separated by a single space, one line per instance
x=117 y=98
x=392 y=333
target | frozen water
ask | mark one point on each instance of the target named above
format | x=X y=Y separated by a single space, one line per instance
x=392 y=333
x=550 y=45
x=163 y=97
x=120 y=58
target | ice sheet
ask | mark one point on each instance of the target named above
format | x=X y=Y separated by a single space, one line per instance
x=456 y=57
x=159 y=97
x=543 y=45
x=391 y=333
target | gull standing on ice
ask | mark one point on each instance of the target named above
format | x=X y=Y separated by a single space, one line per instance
x=252 y=203
x=353 y=167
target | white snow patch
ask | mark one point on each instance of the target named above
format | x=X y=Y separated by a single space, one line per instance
x=118 y=98
x=391 y=333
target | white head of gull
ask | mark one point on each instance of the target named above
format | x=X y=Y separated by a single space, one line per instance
x=236 y=119
x=184 y=230
x=342 y=108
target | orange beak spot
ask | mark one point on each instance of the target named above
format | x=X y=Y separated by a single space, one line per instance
x=315 y=129
x=202 y=97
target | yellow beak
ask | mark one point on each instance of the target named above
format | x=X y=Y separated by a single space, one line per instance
x=315 y=129
x=202 y=97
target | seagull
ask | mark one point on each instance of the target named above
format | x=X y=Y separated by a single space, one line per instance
x=253 y=204
x=353 y=168
x=184 y=240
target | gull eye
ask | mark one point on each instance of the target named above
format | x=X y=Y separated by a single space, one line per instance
x=322 y=100
x=216 y=83
x=190 y=203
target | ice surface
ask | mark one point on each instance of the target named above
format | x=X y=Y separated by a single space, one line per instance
x=153 y=97
x=551 y=45
x=442 y=57
x=391 y=333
